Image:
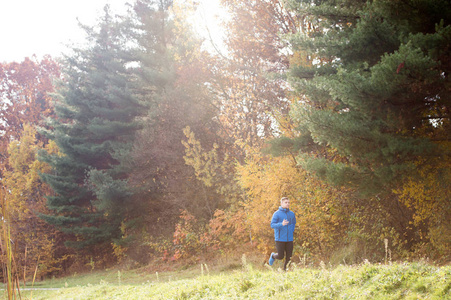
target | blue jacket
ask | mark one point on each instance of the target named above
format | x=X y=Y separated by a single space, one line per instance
x=283 y=233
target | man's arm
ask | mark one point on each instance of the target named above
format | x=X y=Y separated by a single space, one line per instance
x=275 y=223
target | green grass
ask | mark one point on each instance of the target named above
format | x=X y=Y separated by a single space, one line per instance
x=366 y=281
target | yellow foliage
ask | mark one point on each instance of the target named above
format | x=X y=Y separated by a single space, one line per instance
x=428 y=194
x=205 y=163
x=301 y=58
x=33 y=238
x=212 y=168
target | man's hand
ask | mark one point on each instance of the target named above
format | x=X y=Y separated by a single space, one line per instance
x=285 y=222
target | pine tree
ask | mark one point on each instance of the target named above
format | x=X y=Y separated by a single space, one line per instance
x=374 y=98
x=96 y=119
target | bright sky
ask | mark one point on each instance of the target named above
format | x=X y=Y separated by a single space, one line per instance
x=41 y=27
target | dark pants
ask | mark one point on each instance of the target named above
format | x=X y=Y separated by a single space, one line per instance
x=284 y=249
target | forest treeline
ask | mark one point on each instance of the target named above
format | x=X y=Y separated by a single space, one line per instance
x=142 y=146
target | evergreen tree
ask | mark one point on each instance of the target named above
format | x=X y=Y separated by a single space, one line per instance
x=374 y=97
x=96 y=119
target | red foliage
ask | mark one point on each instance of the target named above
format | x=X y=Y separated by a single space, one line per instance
x=186 y=237
x=24 y=95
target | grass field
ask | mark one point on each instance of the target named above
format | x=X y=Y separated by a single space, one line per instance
x=249 y=281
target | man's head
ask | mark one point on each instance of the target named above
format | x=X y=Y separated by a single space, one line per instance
x=285 y=202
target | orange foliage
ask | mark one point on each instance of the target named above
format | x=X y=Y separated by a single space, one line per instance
x=187 y=235
x=228 y=230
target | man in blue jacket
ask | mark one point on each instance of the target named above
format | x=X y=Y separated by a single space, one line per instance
x=283 y=222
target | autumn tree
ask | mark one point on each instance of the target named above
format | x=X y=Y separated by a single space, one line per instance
x=248 y=75
x=248 y=78
x=36 y=244
x=428 y=196
x=24 y=96
x=251 y=84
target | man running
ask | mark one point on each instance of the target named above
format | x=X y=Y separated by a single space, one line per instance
x=283 y=222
